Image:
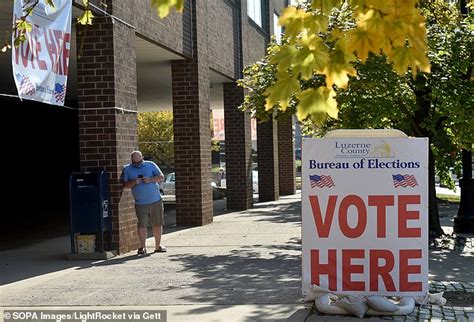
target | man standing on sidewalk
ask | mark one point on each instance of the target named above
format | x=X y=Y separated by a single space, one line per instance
x=143 y=177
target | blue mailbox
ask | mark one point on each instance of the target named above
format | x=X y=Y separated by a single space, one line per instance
x=89 y=206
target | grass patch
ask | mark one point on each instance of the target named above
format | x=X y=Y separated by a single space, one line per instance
x=449 y=198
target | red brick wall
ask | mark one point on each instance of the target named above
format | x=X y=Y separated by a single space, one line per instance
x=192 y=133
x=286 y=156
x=238 y=149
x=106 y=77
x=267 y=150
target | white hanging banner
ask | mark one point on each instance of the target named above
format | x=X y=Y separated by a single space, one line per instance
x=40 y=64
x=365 y=215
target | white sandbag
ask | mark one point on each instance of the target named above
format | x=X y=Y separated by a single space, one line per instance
x=435 y=298
x=406 y=305
x=323 y=305
x=353 y=304
x=380 y=303
x=313 y=293
x=316 y=291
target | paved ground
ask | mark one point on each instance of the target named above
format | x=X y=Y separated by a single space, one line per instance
x=246 y=266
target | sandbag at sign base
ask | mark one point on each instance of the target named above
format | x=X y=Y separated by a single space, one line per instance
x=406 y=305
x=347 y=305
x=435 y=298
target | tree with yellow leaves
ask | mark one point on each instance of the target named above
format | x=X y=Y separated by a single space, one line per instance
x=437 y=105
x=394 y=28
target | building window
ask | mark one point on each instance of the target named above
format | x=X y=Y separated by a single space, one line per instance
x=254 y=11
x=277 y=29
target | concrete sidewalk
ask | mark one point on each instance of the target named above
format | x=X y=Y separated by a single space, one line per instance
x=246 y=266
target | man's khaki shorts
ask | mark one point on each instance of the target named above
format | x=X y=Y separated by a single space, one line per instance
x=152 y=212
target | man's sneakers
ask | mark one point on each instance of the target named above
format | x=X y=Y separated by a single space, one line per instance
x=141 y=251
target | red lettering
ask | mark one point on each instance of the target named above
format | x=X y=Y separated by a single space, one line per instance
x=324 y=269
x=221 y=124
x=348 y=269
x=37 y=46
x=383 y=270
x=358 y=230
x=58 y=67
x=381 y=202
x=404 y=215
x=406 y=269
x=25 y=53
x=323 y=226
x=51 y=46
x=65 y=53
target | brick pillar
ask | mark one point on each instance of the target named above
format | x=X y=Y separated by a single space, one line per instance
x=286 y=156
x=267 y=151
x=192 y=133
x=106 y=81
x=238 y=149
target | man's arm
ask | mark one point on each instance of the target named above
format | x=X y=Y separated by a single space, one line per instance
x=128 y=184
x=131 y=183
x=156 y=179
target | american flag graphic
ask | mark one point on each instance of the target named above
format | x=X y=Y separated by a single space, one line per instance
x=404 y=180
x=60 y=92
x=321 y=181
x=26 y=86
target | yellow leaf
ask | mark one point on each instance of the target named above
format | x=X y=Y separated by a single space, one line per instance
x=317 y=104
x=316 y=23
x=85 y=18
x=362 y=41
x=338 y=69
x=163 y=7
x=404 y=57
x=401 y=59
x=293 y=20
x=312 y=56
x=336 y=34
x=180 y=5
x=280 y=93
x=325 y=6
x=284 y=57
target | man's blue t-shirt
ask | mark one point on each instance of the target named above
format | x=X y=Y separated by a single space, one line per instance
x=144 y=193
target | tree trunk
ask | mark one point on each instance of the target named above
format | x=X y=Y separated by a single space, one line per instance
x=434 y=224
x=423 y=101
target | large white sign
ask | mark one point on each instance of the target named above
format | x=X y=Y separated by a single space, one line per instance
x=40 y=64
x=365 y=215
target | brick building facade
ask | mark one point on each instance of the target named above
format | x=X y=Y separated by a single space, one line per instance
x=208 y=44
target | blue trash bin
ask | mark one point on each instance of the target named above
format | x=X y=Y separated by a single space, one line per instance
x=89 y=207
